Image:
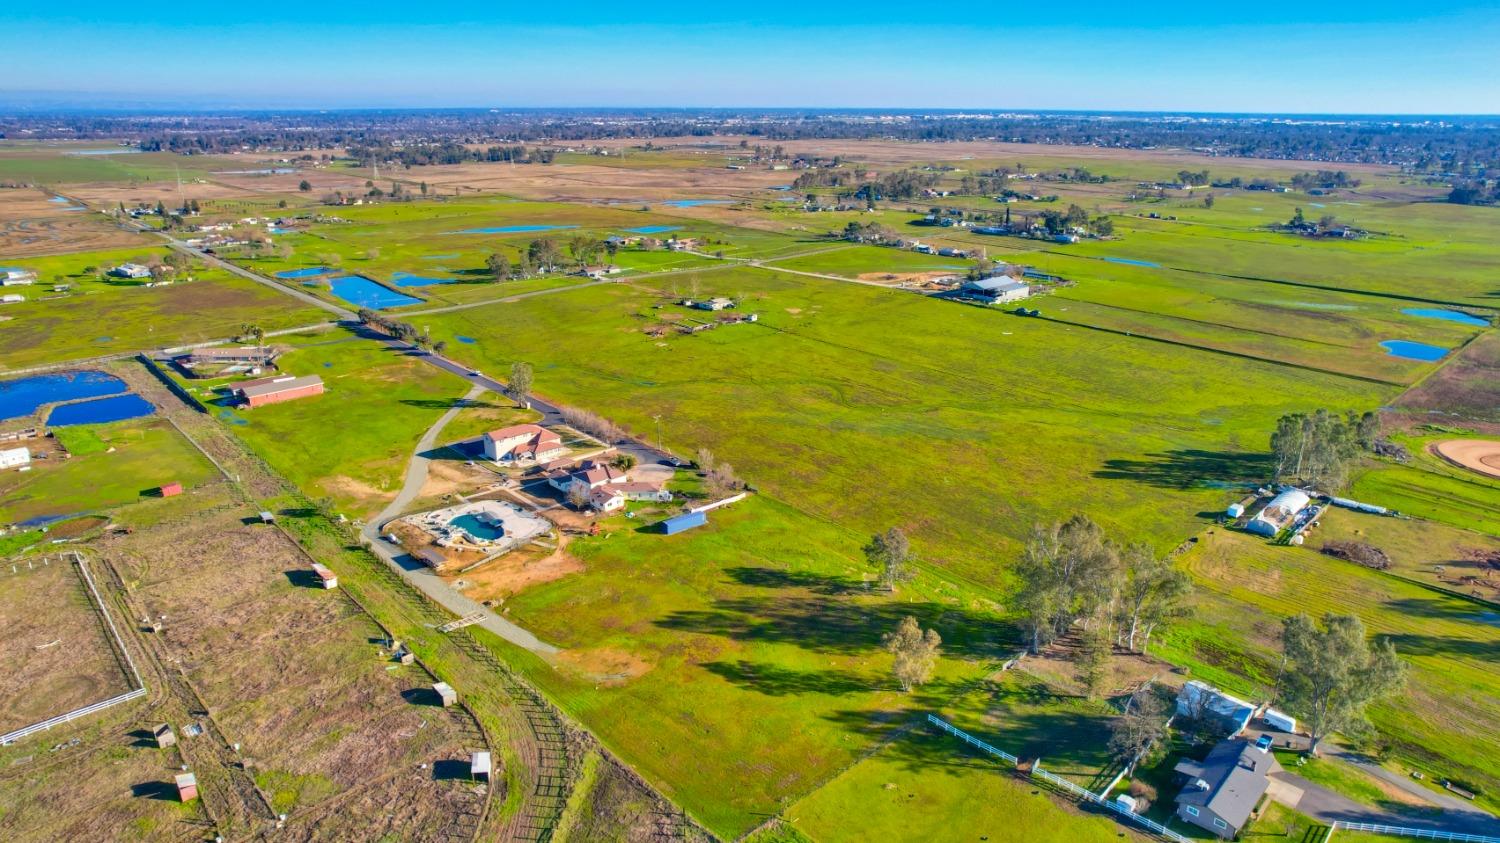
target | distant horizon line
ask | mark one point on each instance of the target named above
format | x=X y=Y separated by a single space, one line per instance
x=20 y=109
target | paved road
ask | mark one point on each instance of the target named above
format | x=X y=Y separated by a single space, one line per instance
x=1327 y=806
x=1465 y=814
x=420 y=575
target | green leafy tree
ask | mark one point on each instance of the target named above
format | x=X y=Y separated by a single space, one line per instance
x=520 y=380
x=891 y=553
x=1094 y=662
x=498 y=266
x=1139 y=734
x=1331 y=674
x=1068 y=572
x=1153 y=593
x=916 y=652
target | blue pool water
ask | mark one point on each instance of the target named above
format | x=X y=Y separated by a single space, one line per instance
x=307 y=272
x=101 y=410
x=22 y=397
x=465 y=340
x=1317 y=204
x=1413 y=350
x=406 y=279
x=1133 y=262
x=514 y=229
x=693 y=203
x=359 y=290
x=275 y=230
x=1450 y=315
x=478 y=529
x=652 y=229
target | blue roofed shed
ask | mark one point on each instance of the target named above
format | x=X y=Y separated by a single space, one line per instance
x=685 y=521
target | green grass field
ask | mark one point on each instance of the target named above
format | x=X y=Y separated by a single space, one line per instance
x=1445 y=720
x=98 y=317
x=874 y=407
x=146 y=453
x=352 y=443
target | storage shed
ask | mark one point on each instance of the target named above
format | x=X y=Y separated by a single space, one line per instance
x=1279 y=513
x=170 y=490
x=1277 y=720
x=187 y=787
x=446 y=695
x=325 y=577
x=163 y=735
x=479 y=766
x=686 y=521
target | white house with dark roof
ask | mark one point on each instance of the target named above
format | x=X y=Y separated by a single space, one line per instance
x=522 y=443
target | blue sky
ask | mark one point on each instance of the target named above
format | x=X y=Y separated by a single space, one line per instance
x=1362 y=57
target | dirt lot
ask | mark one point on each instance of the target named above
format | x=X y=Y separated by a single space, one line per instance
x=295 y=674
x=31 y=224
x=1481 y=456
x=55 y=655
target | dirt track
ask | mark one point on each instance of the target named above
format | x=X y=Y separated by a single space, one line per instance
x=1478 y=455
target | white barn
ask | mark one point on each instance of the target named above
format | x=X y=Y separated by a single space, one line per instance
x=14 y=458
x=997 y=290
x=1278 y=513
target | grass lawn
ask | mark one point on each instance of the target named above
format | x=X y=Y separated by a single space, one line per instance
x=755 y=645
x=1335 y=775
x=851 y=400
x=114 y=315
x=927 y=786
x=1281 y=822
x=146 y=453
x=1443 y=723
x=352 y=443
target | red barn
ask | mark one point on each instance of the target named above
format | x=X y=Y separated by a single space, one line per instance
x=170 y=490
x=258 y=393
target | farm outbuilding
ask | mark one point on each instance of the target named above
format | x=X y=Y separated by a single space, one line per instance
x=187 y=787
x=163 y=735
x=326 y=578
x=1279 y=513
x=479 y=766
x=1277 y=720
x=170 y=490
x=686 y=521
x=258 y=393
x=1199 y=699
x=446 y=695
x=15 y=457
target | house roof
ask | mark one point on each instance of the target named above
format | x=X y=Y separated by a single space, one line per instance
x=1235 y=774
x=534 y=431
x=998 y=284
x=232 y=353
x=251 y=389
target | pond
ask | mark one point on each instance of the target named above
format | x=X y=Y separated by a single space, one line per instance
x=653 y=229
x=306 y=272
x=23 y=397
x=406 y=279
x=101 y=410
x=465 y=340
x=361 y=291
x=693 y=203
x=1450 y=315
x=478 y=529
x=1133 y=262
x=1409 y=350
x=515 y=229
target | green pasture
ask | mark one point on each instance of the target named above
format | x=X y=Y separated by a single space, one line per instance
x=139 y=456
x=877 y=407
x=764 y=623
x=927 y=785
x=854 y=261
x=36 y=163
x=352 y=443
x=1444 y=722
x=97 y=317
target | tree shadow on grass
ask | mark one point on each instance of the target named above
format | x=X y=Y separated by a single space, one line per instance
x=760 y=577
x=776 y=681
x=446 y=403
x=830 y=625
x=1184 y=468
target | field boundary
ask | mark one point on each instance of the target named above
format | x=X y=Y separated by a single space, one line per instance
x=1058 y=783
x=117 y=646
x=1402 y=831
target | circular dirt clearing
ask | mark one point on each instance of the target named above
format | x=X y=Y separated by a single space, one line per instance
x=1481 y=455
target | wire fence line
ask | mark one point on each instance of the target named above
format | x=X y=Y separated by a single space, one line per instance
x=1423 y=833
x=1070 y=788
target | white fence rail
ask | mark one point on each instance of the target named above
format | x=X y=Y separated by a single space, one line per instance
x=1067 y=786
x=970 y=739
x=1117 y=808
x=1423 y=833
x=116 y=641
x=11 y=737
